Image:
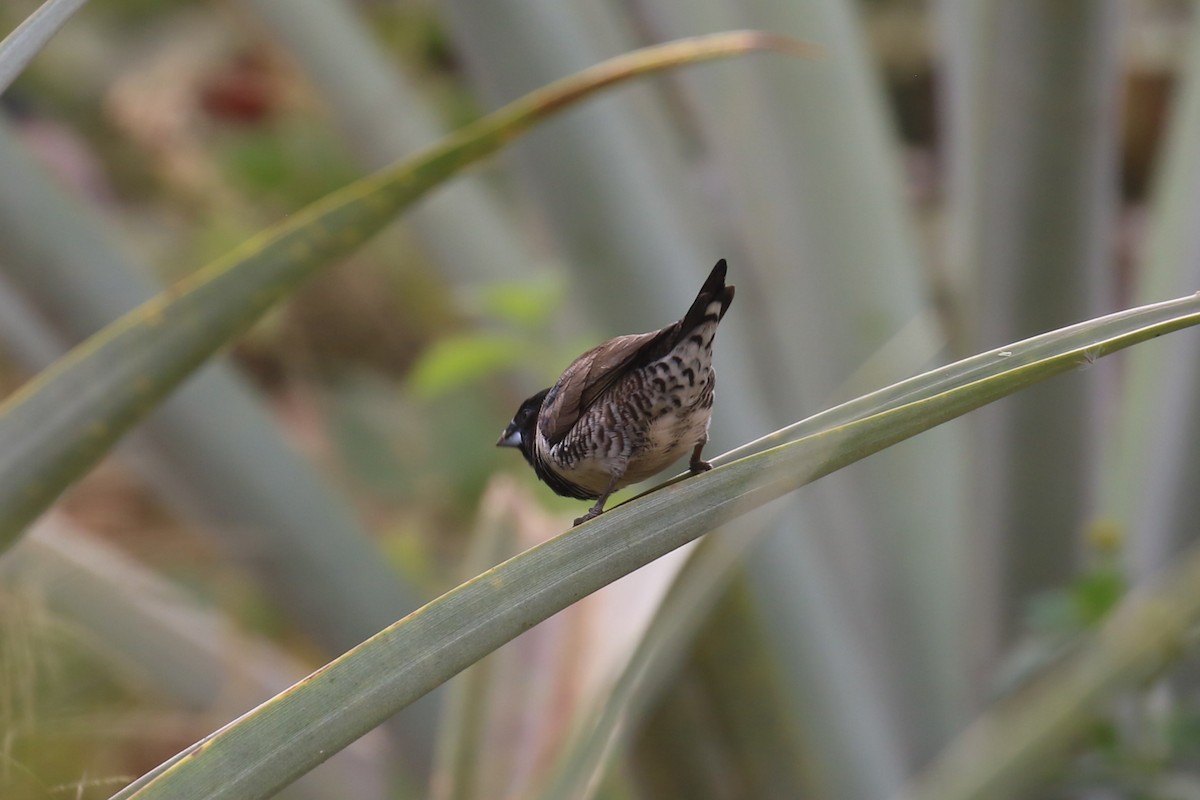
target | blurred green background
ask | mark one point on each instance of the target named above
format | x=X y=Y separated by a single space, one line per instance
x=950 y=177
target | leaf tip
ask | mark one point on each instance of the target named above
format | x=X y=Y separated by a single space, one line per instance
x=781 y=43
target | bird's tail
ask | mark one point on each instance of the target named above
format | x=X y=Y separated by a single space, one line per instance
x=713 y=291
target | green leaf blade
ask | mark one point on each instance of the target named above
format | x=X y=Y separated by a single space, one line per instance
x=295 y=731
x=61 y=423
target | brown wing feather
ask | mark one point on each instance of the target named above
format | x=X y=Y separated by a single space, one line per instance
x=597 y=370
x=590 y=376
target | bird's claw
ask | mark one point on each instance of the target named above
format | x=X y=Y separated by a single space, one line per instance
x=591 y=514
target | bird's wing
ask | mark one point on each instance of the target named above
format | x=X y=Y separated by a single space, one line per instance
x=590 y=376
x=597 y=370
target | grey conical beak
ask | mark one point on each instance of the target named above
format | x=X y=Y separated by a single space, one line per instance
x=510 y=438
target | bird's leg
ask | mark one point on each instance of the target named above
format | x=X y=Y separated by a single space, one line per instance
x=698 y=464
x=598 y=509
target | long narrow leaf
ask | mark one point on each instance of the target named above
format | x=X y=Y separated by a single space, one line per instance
x=637 y=211
x=1151 y=467
x=20 y=46
x=796 y=194
x=212 y=451
x=61 y=423
x=1045 y=173
x=382 y=111
x=288 y=735
x=600 y=734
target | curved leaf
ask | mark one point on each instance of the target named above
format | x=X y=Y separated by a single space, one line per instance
x=283 y=738
x=57 y=426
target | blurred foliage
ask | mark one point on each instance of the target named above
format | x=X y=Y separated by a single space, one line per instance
x=1145 y=743
x=455 y=361
x=192 y=136
x=291 y=162
x=520 y=319
x=414 y=33
x=60 y=705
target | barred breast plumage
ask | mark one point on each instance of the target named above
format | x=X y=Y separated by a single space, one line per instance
x=626 y=409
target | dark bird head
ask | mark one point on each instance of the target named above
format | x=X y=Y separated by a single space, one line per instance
x=520 y=432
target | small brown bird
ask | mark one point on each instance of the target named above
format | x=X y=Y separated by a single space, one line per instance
x=627 y=409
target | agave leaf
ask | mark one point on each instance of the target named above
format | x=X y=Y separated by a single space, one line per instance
x=602 y=731
x=211 y=450
x=57 y=426
x=1150 y=469
x=382 y=111
x=288 y=735
x=1040 y=153
x=20 y=46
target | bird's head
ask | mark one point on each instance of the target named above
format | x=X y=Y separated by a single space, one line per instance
x=520 y=432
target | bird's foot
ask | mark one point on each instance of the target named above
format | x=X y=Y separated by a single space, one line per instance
x=598 y=509
x=591 y=514
x=698 y=466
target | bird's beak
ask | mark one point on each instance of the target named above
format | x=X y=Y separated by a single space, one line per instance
x=510 y=438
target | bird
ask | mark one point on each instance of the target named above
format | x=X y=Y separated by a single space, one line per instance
x=628 y=408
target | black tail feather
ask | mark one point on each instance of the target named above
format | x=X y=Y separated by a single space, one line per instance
x=714 y=288
x=669 y=337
